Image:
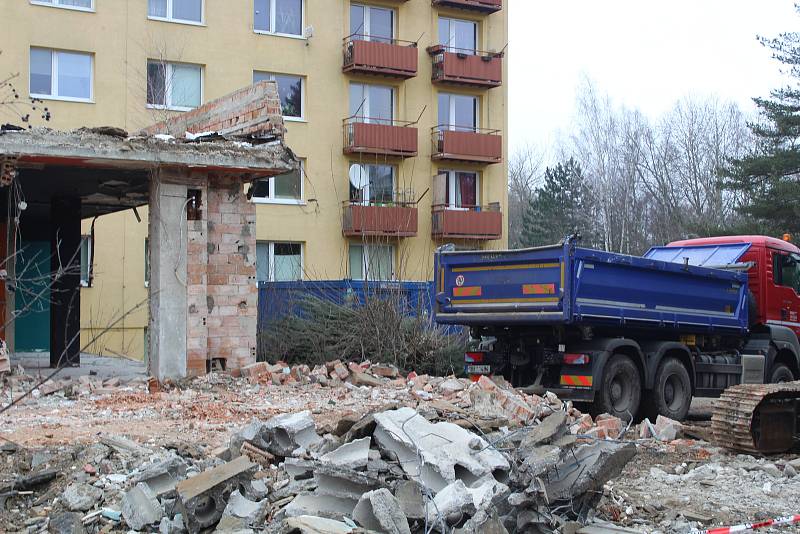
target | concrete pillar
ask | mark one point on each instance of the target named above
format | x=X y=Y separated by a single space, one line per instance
x=168 y=284
x=65 y=293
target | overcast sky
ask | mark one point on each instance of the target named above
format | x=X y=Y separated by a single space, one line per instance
x=644 y=54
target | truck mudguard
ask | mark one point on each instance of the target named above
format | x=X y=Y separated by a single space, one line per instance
x=784 y=339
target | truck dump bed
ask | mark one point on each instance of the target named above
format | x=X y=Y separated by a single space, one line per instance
x=564 y=284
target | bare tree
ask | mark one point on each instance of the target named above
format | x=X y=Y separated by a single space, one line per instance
x=525 y=169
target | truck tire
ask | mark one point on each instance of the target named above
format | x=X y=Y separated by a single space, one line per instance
x=620 y=390
x=780 y=373
x=672 y=390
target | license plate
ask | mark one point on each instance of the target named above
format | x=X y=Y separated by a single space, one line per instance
x=479 y=369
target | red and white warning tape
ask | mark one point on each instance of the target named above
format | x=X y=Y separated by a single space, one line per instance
x=781 y=521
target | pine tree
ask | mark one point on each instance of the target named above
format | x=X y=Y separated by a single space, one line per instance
x=769 y=178
x=559 y=207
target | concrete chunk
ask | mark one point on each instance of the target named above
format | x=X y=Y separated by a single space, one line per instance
x=379 y=510
x=140 y=507
x=353 y=455
x=291 y=431
x=452 y=501
x=307 y=524
x=202 y=499
x=412 y=500
x=164 y=476
x=79 y=497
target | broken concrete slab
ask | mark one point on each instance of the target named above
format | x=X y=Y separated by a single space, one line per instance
x=379 y=510
x=80 y=497
x=453 y=501
x=353 y=455
x=140 y=507
x=125 y=446
x=483 y=523
x=164 y=476
x=552 y=427
x=307 y=524
x=290 y=431
x=435 y=454
x=242 y=507
x=66 y=523
x=412 y=500
x=202 y=499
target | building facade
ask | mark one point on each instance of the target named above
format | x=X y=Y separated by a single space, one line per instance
x=397 y=109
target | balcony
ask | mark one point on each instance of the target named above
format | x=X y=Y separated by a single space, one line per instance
x=466 y=67
x=393 y=219
x=482 y=6
x=392 y=58
x=477 y=222
x=379 y=137
x=467 y=145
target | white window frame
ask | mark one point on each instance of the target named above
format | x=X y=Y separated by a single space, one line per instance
x=167 y=93
x=365 y=113
x=366 y=30
x=451 y=113
x=272 y=12
x=271 y=256
x=450 y=183
x=452 y=37
x=90 y=245
x=365 y=247
x=285 y=201
x=54 y=52
x=170 y=18
x=57 y=4
x=302 y=117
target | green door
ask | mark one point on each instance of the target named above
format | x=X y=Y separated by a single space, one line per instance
x=32 y=298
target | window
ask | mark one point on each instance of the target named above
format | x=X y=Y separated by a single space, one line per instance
x=80 y=5
x=290 y=91
x=371 y=23
x=372 y=103
x=86 y=260
x=786 y=270
x=371 y=184
x=146 y=262
x=284 y=17
x=60 y=74
x=371 y=262
x=458 y=35
x=279 y=262
x=462 y=190
x=176 y=86
x=282 y=189
x=185 y=11
x=458 y=112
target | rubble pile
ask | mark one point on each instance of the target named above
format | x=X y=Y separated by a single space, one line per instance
x=450 y=456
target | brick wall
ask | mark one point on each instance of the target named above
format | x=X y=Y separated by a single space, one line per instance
x=252 y=110
x=221 y=279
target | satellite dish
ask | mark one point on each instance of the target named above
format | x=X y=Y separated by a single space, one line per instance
x=358 y=176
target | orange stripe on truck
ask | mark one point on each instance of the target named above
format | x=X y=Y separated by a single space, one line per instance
x=576 y=380
x=475 y=291
x=538 y=289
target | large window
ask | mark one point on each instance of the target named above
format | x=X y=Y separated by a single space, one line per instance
x=81 y=5
x=458 y=35
x=462 y=189
x=186 y=11
x=177 y=86
x=60 y=74
x=786 y=270
x=371 y=23
x=279 y=262
x=458 y=112
x=371 y=262
x=283 y=17
x=86 y=260
x=282 y=189
x=372 y=103
x=290 y=90
x=371 y=184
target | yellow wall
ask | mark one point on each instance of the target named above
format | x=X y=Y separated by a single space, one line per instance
x=123 y=38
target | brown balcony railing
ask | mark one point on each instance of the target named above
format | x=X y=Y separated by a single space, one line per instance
x=472 y=145
x=384 y=57
x=483 y=6
x=476 y=222
x=380 y=137
x=391 y=219
x=466 y=67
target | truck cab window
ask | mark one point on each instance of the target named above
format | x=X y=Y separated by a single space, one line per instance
x=787 y=271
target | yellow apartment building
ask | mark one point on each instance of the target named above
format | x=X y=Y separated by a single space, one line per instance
x=396 y=108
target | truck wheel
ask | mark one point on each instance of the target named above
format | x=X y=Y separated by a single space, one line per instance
x=672 y=391
x=621 y=388
x=780 y=373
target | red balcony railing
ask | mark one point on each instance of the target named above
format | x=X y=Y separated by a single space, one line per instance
x=471 y=145
x=392 y=219
x=384 y=57
x=483 y=6
x=477 y=222
x=466 y=67
x=380 y=137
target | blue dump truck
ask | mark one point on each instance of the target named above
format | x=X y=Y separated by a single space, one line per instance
x=630 y=336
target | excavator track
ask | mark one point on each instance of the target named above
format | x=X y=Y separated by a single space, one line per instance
x=758 y=418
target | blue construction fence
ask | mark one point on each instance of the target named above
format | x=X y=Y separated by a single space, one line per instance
x=278 y=299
